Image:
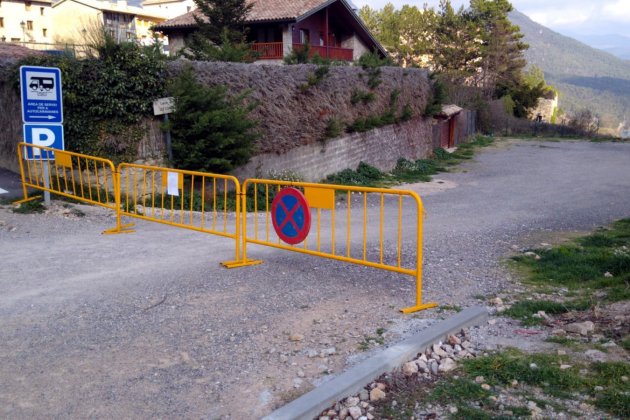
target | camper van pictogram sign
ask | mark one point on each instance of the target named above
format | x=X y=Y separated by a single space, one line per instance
x=41 y=95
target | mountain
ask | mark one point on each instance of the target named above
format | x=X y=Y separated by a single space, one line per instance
x=614 y=44
x=586 y=77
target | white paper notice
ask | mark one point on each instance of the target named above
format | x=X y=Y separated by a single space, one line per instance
x=3 y=191
x=173 y=184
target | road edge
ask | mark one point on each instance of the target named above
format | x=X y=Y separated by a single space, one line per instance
x=311 y=404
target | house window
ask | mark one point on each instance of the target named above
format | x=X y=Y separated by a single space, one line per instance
x=15 y=39
x=27 y=6
x=44 y=32
x=29 y=25
x=1 y=22
x=41 y=11
x=304 y=36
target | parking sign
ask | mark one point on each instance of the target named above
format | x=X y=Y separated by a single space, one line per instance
x=50 y=135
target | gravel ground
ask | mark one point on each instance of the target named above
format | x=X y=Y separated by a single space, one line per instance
x=148 y=324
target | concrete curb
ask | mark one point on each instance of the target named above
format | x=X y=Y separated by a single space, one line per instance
x=310 y=405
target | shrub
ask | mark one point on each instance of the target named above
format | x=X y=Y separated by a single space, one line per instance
x=107 y=95
x=211 y=130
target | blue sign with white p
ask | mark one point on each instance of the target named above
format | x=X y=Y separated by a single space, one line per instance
x=41 y=95
x=40 y=135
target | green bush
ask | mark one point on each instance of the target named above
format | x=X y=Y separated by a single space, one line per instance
x=436 y=99
x=334 y=128
x=105 y=97
x=361 y=96
x=211 y=130
x=365 y=175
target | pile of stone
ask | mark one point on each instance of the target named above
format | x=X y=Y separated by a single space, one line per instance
x=439 y=358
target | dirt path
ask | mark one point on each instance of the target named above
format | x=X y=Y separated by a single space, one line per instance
x=148 y=325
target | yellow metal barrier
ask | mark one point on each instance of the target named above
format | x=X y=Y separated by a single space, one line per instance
x=344 y=216
x=349 y=224
x=192 y=200
x=85 y=178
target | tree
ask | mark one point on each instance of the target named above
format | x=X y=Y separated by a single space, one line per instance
x=501 y=45
x=455 y=49
x=211 y=130
x=405 y=33
x=222 y=33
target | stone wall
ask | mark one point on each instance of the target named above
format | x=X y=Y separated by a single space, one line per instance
x=380 y=147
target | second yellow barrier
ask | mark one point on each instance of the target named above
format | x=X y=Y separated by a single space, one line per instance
x=192 y=200
x=358 y=225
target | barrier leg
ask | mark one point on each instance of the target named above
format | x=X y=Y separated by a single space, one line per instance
x=241 y=236
x=24 y=191
x=419 y=305
x=120 y=228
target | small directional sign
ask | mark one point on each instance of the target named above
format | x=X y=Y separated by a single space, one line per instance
x=41 y=95
x=43 y=136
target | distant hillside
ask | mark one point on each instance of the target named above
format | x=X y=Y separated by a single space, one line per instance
x=586 y=77
x=618 y=45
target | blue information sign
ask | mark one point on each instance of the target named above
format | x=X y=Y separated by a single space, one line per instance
x=41 y=95
x=43 y=135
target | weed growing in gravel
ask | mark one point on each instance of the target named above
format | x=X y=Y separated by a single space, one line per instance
x=600 y=261
x=527 y=309
x=565 y=341
x=454 y=308
x=369 y=340
x=539 y=379
x=540 y=370
x=30 y=207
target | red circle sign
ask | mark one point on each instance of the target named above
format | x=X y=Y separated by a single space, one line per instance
x=291 y=216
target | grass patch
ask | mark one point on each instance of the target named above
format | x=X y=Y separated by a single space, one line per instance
x=565 y=341
x=600 y=261
x=407 y=171
x=455 y=308
x=370 y=340
x=525 y=310
x=616 y=396
x=541 y=370
x=30 y=207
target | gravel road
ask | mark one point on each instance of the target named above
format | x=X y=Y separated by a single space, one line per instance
x=149 y=325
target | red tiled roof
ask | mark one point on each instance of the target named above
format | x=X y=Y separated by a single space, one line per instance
x=262 y=11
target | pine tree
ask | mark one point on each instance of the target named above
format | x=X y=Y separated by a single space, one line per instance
x=455 y=48
x=212 y=131
x=222 y=33
x=501 y=45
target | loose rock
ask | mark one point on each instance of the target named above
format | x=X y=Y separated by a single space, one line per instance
x=377 y=394
x=582 y=328
x=410 y=369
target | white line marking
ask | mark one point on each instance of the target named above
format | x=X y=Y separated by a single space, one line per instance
x=3 y=191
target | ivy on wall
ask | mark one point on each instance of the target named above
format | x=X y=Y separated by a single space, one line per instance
x=105 y=97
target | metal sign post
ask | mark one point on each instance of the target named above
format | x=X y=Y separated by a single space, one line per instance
x=165 y=106
x=42 y=114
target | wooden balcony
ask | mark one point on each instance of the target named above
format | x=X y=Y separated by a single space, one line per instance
x=268 y=50
x=275 y=51
x=333 y=53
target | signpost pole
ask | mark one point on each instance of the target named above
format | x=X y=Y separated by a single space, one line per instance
x=165 y=106
x=47 y=183
x=169 y=147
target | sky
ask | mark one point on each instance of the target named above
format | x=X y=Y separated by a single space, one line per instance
x=569 y=17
